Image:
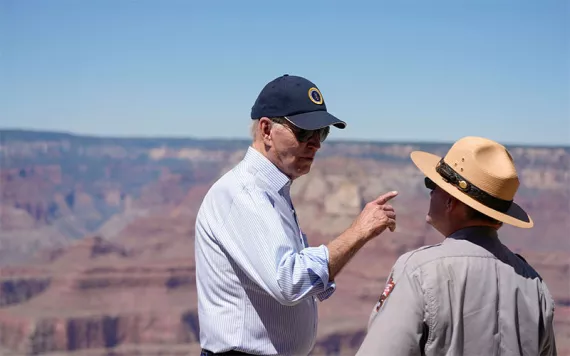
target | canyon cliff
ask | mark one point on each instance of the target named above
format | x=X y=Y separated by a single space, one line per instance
x=97 y=236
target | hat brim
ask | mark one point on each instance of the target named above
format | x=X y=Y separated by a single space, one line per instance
x=315 y=120
x=516 y=216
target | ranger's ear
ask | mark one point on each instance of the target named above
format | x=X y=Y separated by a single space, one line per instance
x=449 y=202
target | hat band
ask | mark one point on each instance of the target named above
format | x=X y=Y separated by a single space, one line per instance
x=455 y=179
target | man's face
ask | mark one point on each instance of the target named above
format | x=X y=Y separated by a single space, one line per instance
x=293 y=156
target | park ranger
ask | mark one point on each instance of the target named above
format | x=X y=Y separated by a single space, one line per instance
x=468 y=295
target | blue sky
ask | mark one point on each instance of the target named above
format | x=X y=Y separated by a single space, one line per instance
x=394 y=70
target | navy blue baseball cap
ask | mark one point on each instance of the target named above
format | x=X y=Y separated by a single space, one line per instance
x=298 y=100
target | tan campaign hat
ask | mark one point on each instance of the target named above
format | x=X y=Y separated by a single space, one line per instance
x=480 y=173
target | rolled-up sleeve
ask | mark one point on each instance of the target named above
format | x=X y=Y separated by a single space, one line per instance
x=253 y=235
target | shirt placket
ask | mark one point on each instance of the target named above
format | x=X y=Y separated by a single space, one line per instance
x=287 y=194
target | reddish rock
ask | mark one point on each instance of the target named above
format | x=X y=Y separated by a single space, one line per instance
x=116 y=268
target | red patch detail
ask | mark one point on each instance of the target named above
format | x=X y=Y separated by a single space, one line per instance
x=387 y=290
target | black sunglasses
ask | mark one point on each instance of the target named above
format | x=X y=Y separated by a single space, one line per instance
x=303 y=135
x=429 y=183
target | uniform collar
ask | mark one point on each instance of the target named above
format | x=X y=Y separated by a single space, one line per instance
x=484 y=236
x=271 y=174
x=474 y=231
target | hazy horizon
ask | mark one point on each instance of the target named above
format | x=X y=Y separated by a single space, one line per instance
x=189 y=137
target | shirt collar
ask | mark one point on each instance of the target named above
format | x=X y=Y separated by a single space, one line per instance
x=274 y=177
x=485 y=237
x=471 y=231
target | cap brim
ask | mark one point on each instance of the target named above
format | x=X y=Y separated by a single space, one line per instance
x=426 y=162
x=315 y=120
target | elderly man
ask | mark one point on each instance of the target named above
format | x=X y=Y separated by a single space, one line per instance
x=468 y=295
x=257 y=277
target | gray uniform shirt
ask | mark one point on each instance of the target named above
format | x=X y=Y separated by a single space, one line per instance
x=469 y=295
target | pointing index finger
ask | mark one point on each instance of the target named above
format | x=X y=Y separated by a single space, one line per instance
x=385 y=197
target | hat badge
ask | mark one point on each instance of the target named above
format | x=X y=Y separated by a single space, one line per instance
x=315 y=96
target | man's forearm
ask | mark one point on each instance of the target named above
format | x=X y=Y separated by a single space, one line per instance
x=342 y=249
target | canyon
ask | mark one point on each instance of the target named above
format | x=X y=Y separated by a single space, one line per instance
x=97 y=236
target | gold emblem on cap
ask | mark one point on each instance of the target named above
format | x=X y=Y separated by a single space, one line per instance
x=462 y=184
x=315 y=96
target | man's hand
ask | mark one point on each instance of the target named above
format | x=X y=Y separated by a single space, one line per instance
x=376 y=217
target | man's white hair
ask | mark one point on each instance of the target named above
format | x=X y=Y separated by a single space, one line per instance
x=253 y=129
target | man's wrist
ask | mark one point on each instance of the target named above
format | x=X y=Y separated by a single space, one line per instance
x=356 y=235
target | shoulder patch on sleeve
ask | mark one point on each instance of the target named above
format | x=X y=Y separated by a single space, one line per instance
x=390 y=284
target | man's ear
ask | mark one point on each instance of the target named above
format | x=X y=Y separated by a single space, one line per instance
x=450 y=203
x=265 y=131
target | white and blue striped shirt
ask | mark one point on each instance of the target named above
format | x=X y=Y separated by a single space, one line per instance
x=256 y=276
